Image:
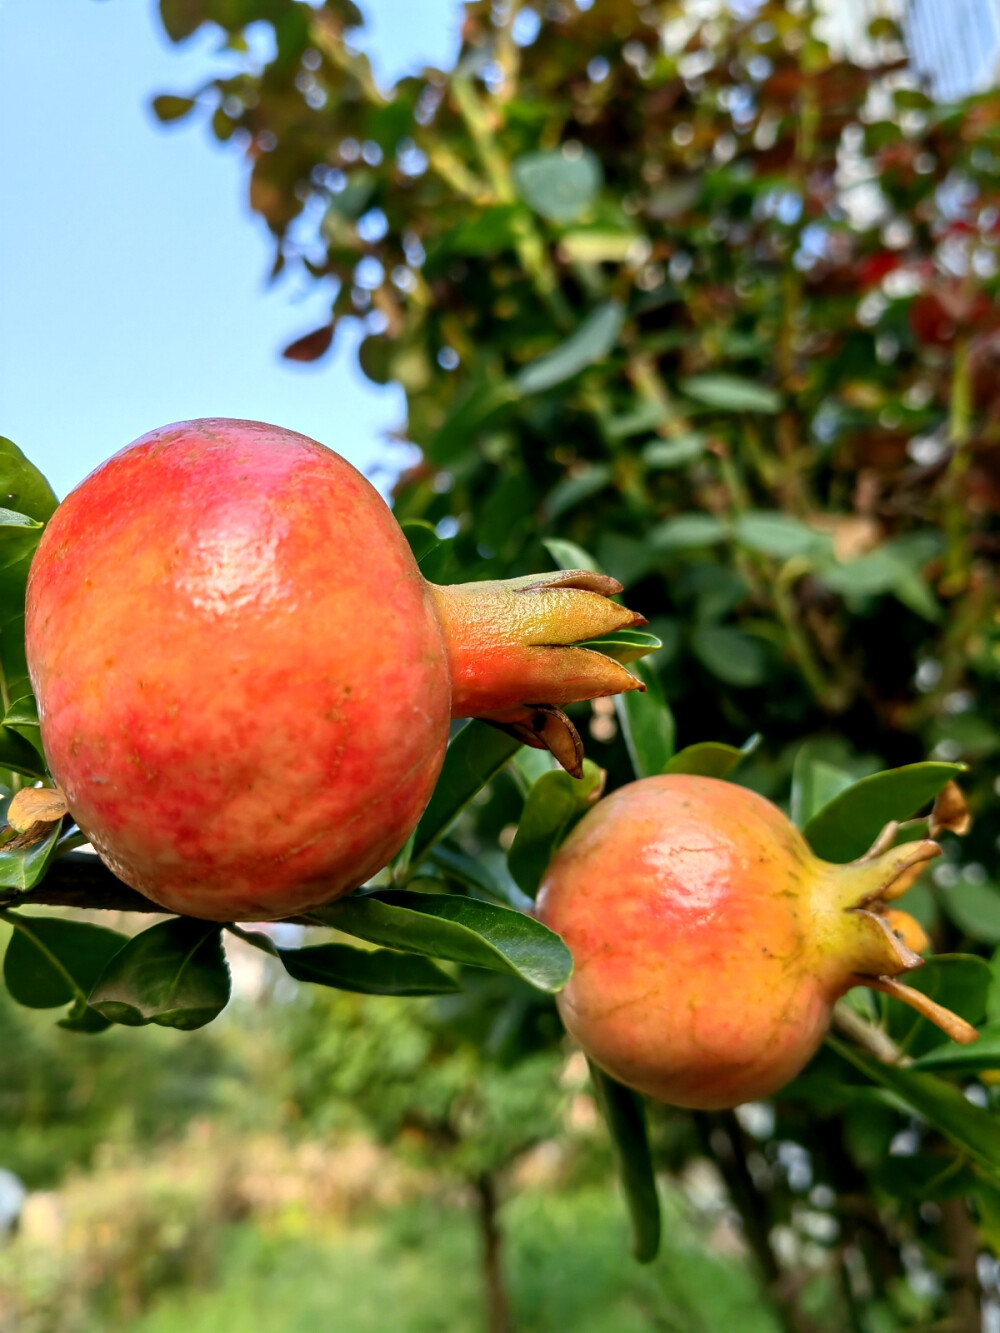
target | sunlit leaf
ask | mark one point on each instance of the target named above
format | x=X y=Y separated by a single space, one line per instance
x=593 y=340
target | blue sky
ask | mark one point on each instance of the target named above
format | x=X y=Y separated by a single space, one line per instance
x=132 y=274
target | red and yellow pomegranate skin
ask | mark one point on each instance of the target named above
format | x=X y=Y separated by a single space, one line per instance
x=244 y=682
x=709 y=943
x=240 y=675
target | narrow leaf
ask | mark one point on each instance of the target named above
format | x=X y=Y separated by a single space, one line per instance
x=462 y=930
x=624 y=1112
x=625 y=645
x=953 y=1058
x=731 y=393
x=173 y=974
x=421 y=536
x=367 y=971
x=971 y=1128
x=647 y=724
x=592 y=342
x=847 y=826
x=568 y=555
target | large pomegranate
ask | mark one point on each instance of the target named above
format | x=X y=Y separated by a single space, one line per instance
x=245 y=684
x=710 y=944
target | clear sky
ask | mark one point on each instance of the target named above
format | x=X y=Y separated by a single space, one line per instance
x=132 y=275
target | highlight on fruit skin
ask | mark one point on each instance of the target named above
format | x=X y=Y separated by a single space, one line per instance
x=710 y=944
x=245 y=684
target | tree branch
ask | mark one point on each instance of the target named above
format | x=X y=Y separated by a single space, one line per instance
x=82 y=880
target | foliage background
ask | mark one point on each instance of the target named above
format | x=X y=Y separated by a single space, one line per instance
x=676 y=285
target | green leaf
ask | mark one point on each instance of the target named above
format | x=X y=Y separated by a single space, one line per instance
x=174 y=974
x=462 y=930
x=568 y=555
x=472 y=410
x=625 y=645
x=167 y=108
x=646 y=416
x=779 y=535
x=21 y=719
x=555 y=803
x=731 y=393
x=678 y=452
x=647 y=724
x=708 y=759
x=51 y=962
x=730 y=654
x=625 y=1115
x=573 y=490
x=847 y=826
x=972 y=1129
x=367 y=971
x=974 y=908
x=22 y=486
x=475 y=755
x=489 y=233
x=953 y=1058
x=422 y=537
x=593 y=341
x=814 y=784
x=23 y=867
x=687 y=532
x=18 y=754
x=559 y=185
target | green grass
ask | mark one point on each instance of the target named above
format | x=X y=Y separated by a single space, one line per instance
x=415 y=1270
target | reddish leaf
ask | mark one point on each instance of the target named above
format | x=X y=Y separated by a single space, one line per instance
x=312 y=346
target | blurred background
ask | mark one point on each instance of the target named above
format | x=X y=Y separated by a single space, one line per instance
x=706 y=289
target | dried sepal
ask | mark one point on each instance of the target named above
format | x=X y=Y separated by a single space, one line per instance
x=950 y=813
x=36 y=805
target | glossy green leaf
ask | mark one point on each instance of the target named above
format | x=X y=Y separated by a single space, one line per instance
x=23 y=867
x=421 y=536
x=647 y=724
x=51 y=962
x=687 y=532
x=558 y=184
x=730 y=654
x=18 y=754
x=847 y=826
x=367 y=971
x=815 y=783
x=779 y=535
x=708 y=759
x=592 y=341
x=625 y=645
x=974 y=908
x=475 y=755
x=174 y=974
x=731 y=393
x=951 y=1057
x=568 y=555
x=625 y=1116
x=971 y=1128
x=22 y=487
x=472 y=872
x=459 y=929
x=555 y=803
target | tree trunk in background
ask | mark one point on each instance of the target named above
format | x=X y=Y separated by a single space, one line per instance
x=498 y=1318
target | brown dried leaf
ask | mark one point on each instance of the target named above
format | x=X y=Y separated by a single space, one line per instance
x=36 y=805
x=950 y=813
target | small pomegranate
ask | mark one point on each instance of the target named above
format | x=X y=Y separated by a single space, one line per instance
x=244 y=682
x=710 y=944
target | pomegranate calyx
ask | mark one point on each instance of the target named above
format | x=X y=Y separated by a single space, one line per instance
x=888 y=874
x=513 y=648
x=950 y=1024
x=546 y=728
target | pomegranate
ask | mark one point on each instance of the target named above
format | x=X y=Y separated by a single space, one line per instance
x=245 y=684
x=710 y=944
